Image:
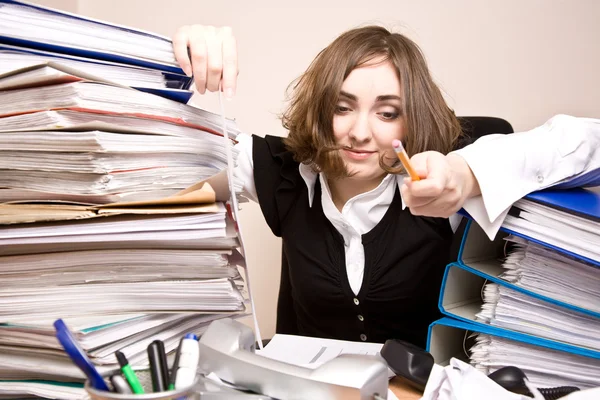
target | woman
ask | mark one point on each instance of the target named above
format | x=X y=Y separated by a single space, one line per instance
x=362 y=266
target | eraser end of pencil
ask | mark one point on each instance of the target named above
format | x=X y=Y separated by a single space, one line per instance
x=396 y=144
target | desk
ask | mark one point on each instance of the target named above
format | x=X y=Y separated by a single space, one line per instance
x=403 y=391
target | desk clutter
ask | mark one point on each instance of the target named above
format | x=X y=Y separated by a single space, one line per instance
x=528 y=299
x=116 y=214
x=223 y=364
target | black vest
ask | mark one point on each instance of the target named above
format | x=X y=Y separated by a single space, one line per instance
x=405 y=258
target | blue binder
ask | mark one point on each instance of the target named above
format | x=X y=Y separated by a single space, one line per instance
x=180 y=96
x=460 y=299
x=446 y=335
x=457 y=271
x=581 y=202
x=478 y=261
x=173 y=80
x=82 y=52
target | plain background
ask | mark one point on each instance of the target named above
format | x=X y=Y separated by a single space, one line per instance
x=522 y=60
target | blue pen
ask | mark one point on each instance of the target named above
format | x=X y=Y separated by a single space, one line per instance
x=78 y=356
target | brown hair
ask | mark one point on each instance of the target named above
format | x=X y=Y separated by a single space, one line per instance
x=430 y=123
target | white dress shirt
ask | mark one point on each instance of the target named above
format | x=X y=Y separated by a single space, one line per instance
x=564 y=151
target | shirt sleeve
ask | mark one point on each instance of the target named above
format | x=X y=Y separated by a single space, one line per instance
x=564 y=152
x=244 y=168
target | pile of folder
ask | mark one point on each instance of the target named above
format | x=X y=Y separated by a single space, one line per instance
x=114 y=200
x=531 y=297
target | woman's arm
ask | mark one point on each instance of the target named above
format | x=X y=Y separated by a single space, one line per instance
x=209 y=54
x=487 y=177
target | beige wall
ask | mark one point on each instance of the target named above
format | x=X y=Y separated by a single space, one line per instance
x=523 y=60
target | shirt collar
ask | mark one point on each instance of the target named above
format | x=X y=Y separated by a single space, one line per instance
x=310 y=179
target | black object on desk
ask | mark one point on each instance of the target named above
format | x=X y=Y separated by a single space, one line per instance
x=513 y=380
x=408 y=361
x=159 y=369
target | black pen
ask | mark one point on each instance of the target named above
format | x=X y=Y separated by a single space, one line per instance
x=175 y=367
x=158 y=366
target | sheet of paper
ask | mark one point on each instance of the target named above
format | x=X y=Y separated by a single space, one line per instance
x=460 y=381
x=312 y=352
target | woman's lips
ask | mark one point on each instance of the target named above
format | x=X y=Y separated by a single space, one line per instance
x=355 y=154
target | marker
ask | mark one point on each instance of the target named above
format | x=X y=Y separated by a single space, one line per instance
x=188 y=361
x=159 y=369
x=132 y=379
x=173 y=375
x=120 y=384
x=403 y=157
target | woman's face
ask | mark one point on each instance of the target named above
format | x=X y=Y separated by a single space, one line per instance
x=368 y=118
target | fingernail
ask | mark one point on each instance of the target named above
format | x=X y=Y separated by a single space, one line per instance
x=188 y=71
x=229 y=93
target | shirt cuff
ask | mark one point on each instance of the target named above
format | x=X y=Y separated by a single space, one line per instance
x=508 y=167
x=244 y=168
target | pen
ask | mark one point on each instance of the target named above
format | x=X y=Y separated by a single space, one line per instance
x=403 y=157
x=78 y=356
x=120 y=384
x=188 y=361
x=132 y=379
x=173 y=375
x=158 y=366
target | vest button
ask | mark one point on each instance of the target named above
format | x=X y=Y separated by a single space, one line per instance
x=361 y=318
x=356 y=301
x=363 y=337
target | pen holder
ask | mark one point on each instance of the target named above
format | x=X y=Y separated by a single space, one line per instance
x=143 y=374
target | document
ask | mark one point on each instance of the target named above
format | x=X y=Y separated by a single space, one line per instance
x=509 y=309
x=104 y=98
x=312 y=352
x=549 y=225
x=552 y=274
x=544 y=367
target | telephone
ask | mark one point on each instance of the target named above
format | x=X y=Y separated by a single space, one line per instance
x=227 y=350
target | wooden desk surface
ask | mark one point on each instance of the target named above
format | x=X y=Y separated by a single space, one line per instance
x=403 y=391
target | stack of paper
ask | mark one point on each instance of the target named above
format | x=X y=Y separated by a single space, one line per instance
x=112 y=200
x=510 y=309
x=549 y=289
x=567 y=231
x=552 y=274
x=545 y=368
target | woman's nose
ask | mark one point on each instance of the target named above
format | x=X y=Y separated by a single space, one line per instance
x=361 y=129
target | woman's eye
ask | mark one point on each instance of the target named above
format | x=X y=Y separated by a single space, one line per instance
x=388 y=115
x=341 y=109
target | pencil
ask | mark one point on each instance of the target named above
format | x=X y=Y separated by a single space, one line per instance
x=403 y=157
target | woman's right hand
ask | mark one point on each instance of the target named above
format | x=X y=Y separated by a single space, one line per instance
x=212 y=57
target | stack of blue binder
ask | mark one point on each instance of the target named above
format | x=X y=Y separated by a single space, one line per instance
x=531 y=297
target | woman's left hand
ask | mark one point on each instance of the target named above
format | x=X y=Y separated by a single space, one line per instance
x=446 y=183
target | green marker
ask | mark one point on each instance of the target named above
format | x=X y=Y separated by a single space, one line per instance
x=132 y=379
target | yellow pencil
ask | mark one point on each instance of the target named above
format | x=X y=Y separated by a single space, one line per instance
x=403 y=157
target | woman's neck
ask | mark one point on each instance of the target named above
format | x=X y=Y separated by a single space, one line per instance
x=344 y=189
